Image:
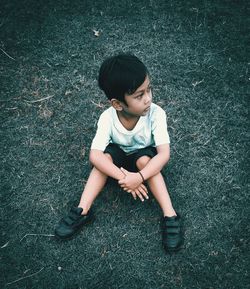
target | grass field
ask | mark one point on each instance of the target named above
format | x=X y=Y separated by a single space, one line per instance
x=50 y=53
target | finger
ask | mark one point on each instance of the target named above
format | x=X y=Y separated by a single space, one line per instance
x=143 y=193
x=144 y=188
x=139 y=195
x=122 y=185
x=127 y=190
x=124 y=171
x=133 y=194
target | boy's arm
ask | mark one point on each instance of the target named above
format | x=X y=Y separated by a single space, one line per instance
x=155 y=165
x=105 y=165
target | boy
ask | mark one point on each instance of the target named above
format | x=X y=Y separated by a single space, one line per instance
x=131 y=145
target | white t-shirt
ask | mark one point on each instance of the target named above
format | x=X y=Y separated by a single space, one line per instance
x=150 y=130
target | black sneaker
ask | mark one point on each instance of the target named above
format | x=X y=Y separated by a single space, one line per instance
x=72 y=223
x=172 y=238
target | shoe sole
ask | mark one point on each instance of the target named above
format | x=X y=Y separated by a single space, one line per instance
x=173 y=250
x=71 y=236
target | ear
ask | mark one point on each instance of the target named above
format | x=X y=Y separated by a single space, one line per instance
x=117 y=105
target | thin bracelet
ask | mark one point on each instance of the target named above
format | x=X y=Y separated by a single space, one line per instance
x=141 y=176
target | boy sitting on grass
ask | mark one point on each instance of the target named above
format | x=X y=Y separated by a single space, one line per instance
x=131 y=145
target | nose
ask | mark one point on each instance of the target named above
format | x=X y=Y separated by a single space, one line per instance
x=148 y=97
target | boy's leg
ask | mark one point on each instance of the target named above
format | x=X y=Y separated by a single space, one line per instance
x=158 y=188
x=77 y=217
x=171 y=224
x=93 y=187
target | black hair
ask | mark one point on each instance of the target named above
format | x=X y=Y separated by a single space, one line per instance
x=121 y=74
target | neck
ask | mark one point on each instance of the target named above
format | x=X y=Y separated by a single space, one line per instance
x=127 y=116
x=127 y=120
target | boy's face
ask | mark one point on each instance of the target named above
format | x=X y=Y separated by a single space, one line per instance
x=138 y=103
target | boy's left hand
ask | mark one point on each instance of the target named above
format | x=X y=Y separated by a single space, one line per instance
x=131 y=180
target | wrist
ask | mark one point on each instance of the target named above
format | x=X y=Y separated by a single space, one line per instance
x=141 y=176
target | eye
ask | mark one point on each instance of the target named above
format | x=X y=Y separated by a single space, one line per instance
x=139 y=96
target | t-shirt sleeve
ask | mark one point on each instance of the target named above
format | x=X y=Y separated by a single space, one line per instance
x=160 y=128
x=102 y=136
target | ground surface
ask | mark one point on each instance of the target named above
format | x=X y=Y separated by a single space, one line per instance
x=196 y=52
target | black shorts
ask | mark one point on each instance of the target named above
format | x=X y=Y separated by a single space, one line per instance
x=128 y=161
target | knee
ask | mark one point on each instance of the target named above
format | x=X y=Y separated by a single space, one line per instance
x=142 y=162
